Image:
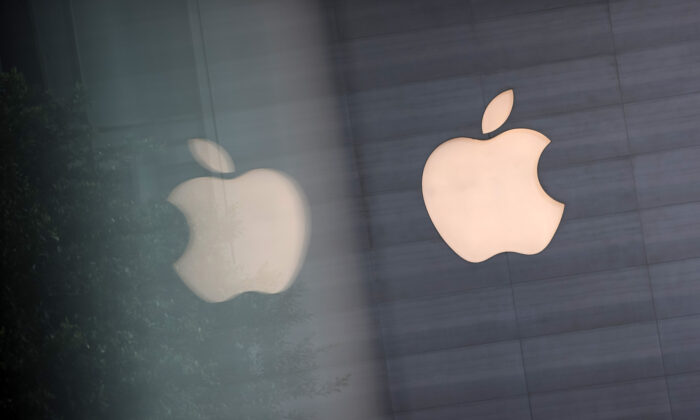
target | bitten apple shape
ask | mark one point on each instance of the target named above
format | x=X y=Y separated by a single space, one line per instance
x=484 y=196
x=247 y=233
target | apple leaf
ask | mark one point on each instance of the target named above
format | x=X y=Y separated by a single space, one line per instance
x=497 y=111
x=211 y=156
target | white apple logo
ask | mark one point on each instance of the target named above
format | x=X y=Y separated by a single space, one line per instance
x=484 y=196
x=247 y=233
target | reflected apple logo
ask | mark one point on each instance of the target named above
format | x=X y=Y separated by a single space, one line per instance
x=247 y=234
x=484 y=196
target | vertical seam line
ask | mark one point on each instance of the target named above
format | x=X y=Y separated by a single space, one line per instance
x=638 y=211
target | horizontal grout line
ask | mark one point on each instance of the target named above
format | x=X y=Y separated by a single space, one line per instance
x=553 y=168
x=481 y=73
x=344 y=41
x=464 y=403
x=578 y=165
x=540 y=393
x=349 y=42
x=527 y=282
x=657 y=46
x=608 y=159
x=534 y=337
x=473 y=21
x=664 y=97
x=525 y=338
x=578 y=218
x=490 y=73
x=583 y=4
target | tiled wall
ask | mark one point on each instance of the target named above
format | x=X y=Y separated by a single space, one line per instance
x=605 y=323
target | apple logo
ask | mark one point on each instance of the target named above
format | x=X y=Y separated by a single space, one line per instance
x=484 y=196
x=247 y=233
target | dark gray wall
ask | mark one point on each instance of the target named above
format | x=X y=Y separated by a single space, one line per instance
x=605 y=323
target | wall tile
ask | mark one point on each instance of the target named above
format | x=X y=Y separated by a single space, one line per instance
x=592 y=357
x=517 y=408
x=431 y=268
x=557 y=87
x=663 y=123
x=637 y=400
x=396 y=165
x=362 y=18
x=676 y=288
x=584 y=245
x=680 y=340
x=668 y=177
x=592 y=189
x=640 y=24
x=399 y=217
x=485 y=9
x=538 y=38
x=409 y=57
x=672 y=233
x=456 y=376
x=411 y=109
x=456 y=320
x=579 y=137
x=660 y=72
x=583 y=302
x=684 y=390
